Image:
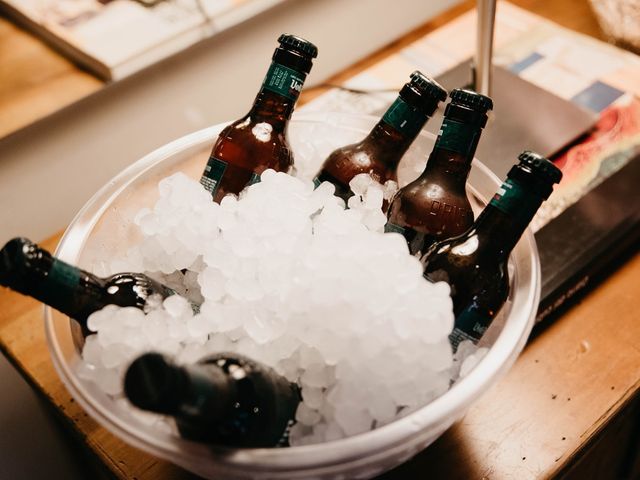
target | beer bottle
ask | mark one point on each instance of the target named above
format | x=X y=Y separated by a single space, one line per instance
x=258 y=140
x=379 y=153
x=435 y=205
x=31 y=270
x=475 y=263
x=223 y=399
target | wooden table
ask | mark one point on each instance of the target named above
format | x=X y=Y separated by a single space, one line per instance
x=569 y=407
x=34 y=80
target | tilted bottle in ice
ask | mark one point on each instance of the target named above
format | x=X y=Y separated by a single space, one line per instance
x=475 y=263
x=379 y=153
x=223 y=399
x=31 y=270
x=435 y=205
x=258 y=140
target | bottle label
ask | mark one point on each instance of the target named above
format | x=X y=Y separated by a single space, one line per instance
x=284 y=81
x=512 y=199
x=62 y=282
x=405 y=118
x=470 y=324
x=417 y=241
x=458 y=137
x=342 y=190
x=212 y=175
x=215 y=171
x=392 y=227
x=255 y=178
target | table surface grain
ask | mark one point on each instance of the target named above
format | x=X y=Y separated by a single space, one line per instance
x=570 y=381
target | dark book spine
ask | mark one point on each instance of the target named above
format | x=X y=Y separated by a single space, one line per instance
x=598 y=263
x=582 y=244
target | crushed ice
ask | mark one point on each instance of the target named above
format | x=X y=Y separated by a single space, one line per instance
x=289 y=277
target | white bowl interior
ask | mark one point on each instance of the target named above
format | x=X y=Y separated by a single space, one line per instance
x=104 y=227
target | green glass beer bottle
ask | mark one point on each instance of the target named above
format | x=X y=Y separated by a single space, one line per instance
x=258 y=140
x=475 y=263
x=223 y=399
x=379 y=153
x=435 y=205
x=32 y=271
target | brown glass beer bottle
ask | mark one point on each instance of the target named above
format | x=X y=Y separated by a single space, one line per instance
x=31 y=270
x=223 y=399
x=258 y=140
x=435 y=205
x=475 y=263
x=381 y=150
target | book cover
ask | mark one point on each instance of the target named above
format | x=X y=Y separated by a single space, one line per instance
x=115 y=38
x=594 y=217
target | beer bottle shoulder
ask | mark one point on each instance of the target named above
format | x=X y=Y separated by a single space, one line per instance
x=257 y=130
x=133 y=290
x=253 y=145
x=268 y=401
x=346 y=162
x=424 y=203
x=473 y=276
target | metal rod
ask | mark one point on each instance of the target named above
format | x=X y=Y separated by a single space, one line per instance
x=484 y=46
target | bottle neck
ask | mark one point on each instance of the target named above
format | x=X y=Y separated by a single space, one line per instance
x=278 y=95
x=155 y=383
x=395 y=132
x=454 y=149
x=202 y=392
x=504 y=220
x=68 y=289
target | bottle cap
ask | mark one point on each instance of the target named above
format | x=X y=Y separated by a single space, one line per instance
x=15 y=259
x=428 y=86
x=423 y=93
x=541 y=166
x=537 y=172
x=298 y=44
x=471 y=99
x=7 y=259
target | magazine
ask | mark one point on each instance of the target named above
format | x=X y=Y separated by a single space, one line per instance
x=115 y=38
